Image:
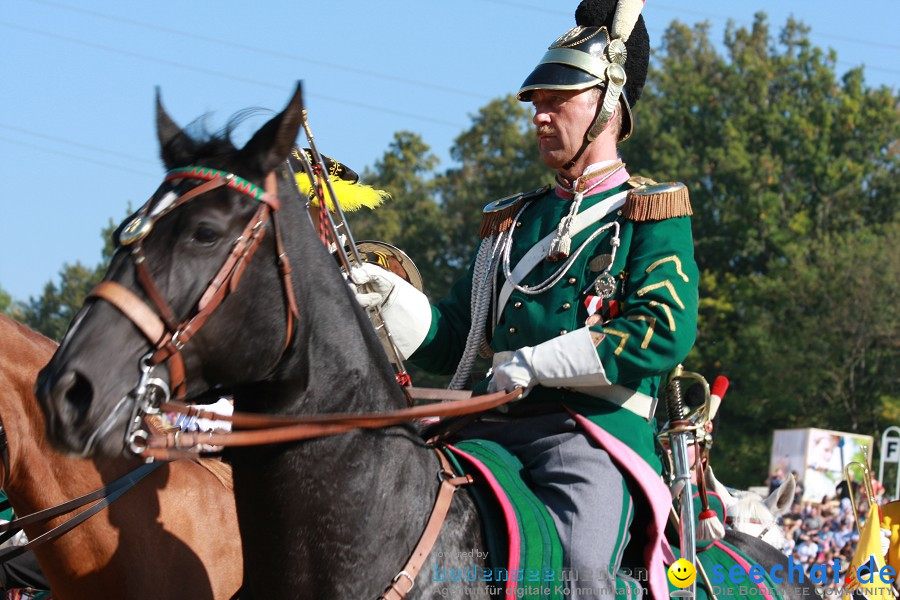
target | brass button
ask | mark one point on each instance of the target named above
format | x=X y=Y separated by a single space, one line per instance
x=563 y=331
x=518 y=223
x=512 y=329
x=566 y=306
x=517 y=305
x=572 y=281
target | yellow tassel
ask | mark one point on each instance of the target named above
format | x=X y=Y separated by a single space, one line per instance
x=352 y=196
x=658 y=202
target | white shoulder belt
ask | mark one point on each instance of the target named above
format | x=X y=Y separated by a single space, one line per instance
x=537 y=252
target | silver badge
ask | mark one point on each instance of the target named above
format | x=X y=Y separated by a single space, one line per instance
x=605 y=286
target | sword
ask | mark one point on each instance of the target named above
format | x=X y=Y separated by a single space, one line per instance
x=679 y=430
x=336 y=223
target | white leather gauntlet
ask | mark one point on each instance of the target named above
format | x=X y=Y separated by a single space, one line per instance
x=569 y=361
x=405 y=310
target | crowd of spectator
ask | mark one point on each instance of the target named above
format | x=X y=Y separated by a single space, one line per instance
x=825 y=531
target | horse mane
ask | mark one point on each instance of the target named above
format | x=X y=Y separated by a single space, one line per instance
x=212 y=145
x=218 y=142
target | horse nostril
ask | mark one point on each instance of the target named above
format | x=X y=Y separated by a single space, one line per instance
x=74 y=393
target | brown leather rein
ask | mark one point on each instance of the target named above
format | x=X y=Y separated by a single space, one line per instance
x=159 y=325
x=157 y=320
x=268 y=429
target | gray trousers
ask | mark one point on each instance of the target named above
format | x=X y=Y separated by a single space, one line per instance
x=585 y=493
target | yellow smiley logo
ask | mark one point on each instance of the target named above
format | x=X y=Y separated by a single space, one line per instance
x=682 y=573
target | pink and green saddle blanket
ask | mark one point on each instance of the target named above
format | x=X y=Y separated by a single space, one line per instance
x=525 y=555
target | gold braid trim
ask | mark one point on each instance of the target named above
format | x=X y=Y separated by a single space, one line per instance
x=657 y=202
x=499 y=214
x=499 y=220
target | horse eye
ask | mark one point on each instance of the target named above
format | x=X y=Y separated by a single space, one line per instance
x=205 y=235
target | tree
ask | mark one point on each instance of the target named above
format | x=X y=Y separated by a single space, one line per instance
x=818 y=342
x=411 y=219
x=8 y=306
x=5 y=301
x=772 y=144
x=793 y=178
x=497 y=156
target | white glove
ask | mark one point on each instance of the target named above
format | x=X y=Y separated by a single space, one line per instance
x=405 y=310
x=885 y=541
x=569 y=361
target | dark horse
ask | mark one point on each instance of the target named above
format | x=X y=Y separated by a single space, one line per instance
x=333 y=517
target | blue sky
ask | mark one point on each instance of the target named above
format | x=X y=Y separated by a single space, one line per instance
x=77 y=132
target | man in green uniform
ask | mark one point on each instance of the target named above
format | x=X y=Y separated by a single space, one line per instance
x=584 y=293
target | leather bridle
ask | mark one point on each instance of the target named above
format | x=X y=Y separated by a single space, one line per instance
x=156 y=319
x=167 y=337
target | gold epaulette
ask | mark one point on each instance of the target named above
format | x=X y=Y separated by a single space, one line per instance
x=498 y=215
x=651 y=201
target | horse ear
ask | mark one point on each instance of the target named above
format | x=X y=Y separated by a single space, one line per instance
x=177 y=149
x=714 y=485
x=780 y=500
x=274 y=141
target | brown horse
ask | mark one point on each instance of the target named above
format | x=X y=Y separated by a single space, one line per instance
x=174 y=535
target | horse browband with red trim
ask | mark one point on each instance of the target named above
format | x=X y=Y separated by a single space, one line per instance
x=207 y=174
x=175 y=335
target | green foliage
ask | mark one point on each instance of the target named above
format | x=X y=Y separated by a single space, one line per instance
x=793 y=179
x=774 y=148
x=9 y=307
x=411 y=219
x=5 y=301
x=497 y=157
x=51 y=313
x=833 y=307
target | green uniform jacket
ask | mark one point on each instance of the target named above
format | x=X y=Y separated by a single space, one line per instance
x=656 y=288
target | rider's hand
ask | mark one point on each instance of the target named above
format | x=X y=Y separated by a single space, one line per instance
x=373 y=284
x=512 y=370
x=404 y=309
x=568 y=361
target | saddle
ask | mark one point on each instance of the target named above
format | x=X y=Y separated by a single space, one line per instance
x=523 y=547
x=524 y=552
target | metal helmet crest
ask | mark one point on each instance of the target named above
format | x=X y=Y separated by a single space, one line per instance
x=609 y=48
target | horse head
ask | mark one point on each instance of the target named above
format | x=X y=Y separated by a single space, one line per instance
x=752 y=514
x=200 y=262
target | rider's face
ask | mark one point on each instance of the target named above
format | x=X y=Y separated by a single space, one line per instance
x=562 y=117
